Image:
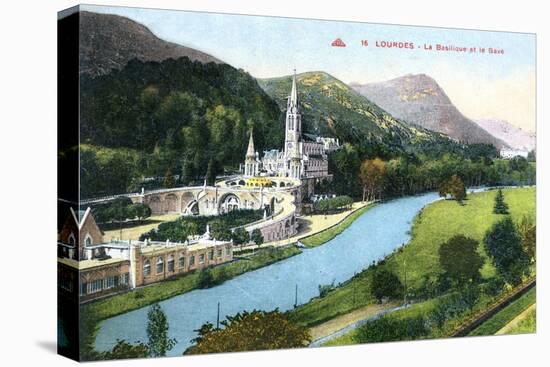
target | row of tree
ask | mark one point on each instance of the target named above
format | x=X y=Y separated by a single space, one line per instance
x=367 y=178
x=221 y=228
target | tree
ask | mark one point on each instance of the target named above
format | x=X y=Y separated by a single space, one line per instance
x=500 y=205
x=460 y=260
x=247 y=331
x=240 y=236
x=503 y=244
x=157 y=332
x=386 y=284
x=528 y=232
x=169 y=179
x=372 y=174
x=141 y=211
x=186 y=172
x=211 y=172
x=257 y=237
x=454 y=187
x=125 y=350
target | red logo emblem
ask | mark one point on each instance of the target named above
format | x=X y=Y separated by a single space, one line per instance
x=338 y=43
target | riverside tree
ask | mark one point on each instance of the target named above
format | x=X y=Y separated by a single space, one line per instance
x=247 y=331
x=460 y=260
x=372 y=174
x=157 y=332
x=500 y=205
x=503 y=244
x=454 y=187
x=385 y=284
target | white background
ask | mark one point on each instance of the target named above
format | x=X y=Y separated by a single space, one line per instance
x=28 y=183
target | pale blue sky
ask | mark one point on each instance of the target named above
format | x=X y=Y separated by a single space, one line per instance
x=273 y=46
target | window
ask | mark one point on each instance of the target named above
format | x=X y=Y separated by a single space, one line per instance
x=110 y=282
x=88 y=241
x=95 y=286
x=125 y=279
x=220 y=252
x=210 y=254
x=83 y=289
x=147 y=268
x=171 y=263
x=72 y=239
x=201 y=259
x=191 y=260
x=181 y=261
x=160 y=265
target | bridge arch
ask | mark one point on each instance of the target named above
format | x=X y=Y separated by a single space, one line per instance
x=192 y=208
x=229 y=202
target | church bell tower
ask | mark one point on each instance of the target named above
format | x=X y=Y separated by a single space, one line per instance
x=293 y=132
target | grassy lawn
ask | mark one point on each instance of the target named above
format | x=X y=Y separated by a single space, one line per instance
x=442 y=220
x=133 y=232
x=148 y=295
x=503 y=317
x=329 y=233
x=527 y=325
x=434 y=225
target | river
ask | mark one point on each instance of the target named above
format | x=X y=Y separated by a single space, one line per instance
x=371 y=237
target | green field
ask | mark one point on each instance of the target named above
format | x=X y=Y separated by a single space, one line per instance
x=434 y=225
x=507 y=314
x=329 y=233
x=527 y=325
x=442 y=220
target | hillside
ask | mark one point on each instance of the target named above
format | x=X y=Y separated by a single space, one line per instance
x=177 y=115
x=331 y=108
x=419 y=100
x=513 y=136
x=109 y=41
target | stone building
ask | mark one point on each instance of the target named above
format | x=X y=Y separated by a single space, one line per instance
x=92 y=268
x=304 y=157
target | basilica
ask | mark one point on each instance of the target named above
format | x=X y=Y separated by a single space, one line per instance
x=304 y=157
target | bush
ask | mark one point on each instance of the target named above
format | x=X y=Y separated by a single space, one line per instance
x=206 y=279
x=325 y=289
x=387 y=328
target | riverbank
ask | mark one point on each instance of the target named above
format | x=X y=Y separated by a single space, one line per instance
x=418 y=260
x=332 y=230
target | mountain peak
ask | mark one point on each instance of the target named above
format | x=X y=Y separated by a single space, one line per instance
x=418 y=99
x=109 y=41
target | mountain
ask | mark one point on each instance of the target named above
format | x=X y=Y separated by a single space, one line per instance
x=515 y=137
x=109 y=41
x=419 y=100
x=331 y=108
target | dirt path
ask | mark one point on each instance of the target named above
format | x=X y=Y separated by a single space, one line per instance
x=345 y=323
x=516 y=320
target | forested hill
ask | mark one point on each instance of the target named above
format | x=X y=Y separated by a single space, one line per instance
x=332 y=108
x=167 y=115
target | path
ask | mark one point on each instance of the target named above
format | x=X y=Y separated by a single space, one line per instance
x=313 y=224
x=342 y=325
x=512 y=324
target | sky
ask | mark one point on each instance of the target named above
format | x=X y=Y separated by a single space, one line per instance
x=481 y=85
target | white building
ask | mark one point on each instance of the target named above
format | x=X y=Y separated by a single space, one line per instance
x=303 y=157
x=511 y=153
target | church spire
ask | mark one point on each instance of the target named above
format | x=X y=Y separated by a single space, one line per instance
x=250 y=153
x=294 y=93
